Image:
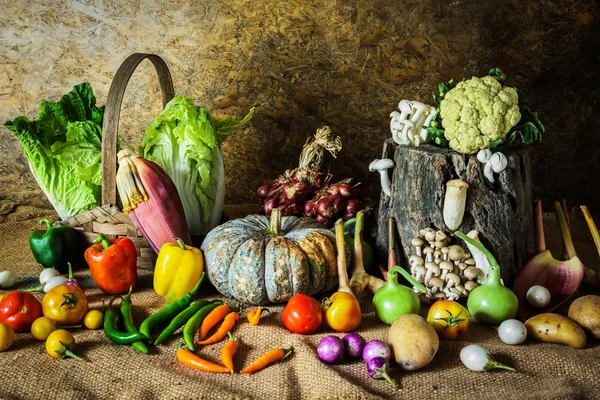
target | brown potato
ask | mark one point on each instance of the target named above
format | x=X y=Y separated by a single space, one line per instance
x=555 y=328
x=586 y=312
x=413 y=342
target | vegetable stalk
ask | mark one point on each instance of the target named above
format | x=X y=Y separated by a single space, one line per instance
x=591 y=277
x=360 y=278
x=340 y=243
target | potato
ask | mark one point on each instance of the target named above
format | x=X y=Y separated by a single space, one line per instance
x=555 y=328
x=586 y=312
x=413 y=342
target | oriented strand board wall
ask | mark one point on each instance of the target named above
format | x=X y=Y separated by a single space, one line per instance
x=302 y=63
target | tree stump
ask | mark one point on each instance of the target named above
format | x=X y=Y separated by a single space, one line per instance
x=500 y=211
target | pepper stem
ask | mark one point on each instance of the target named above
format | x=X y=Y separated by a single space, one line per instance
x=128 y=295
x=104 y=240
x=195 y=289
x=231 y=338
x=275 y=223
x=179 y=242
x=287 y=351
x=398 y=270
x=493 y=364
x=46 y=221
x=564 y=230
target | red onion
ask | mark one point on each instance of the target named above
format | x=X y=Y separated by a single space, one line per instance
x=263 y=191
x=337 y=204
x=325 y=221
x=333 y=190
x=352 y=206
x=269 y=205
x=345 y=190
x=310 y=209
x=324 y=207
x=289 y=209
x=294 y=190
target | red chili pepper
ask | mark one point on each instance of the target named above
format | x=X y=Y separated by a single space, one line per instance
x=113 y=264
x=19 y=309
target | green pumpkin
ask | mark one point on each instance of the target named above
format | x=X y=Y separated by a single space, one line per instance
x=257 y=260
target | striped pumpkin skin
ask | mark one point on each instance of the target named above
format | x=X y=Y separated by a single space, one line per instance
x=245 y=263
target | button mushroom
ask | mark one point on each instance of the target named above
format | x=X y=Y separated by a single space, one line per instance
x=436 y=284
x=432 y=270
x=437 y=256
x=428 y=251
x=445 y=250
x=473 y=273
x=417 y=242
x=461 y=268
x=451 y=280
x=470 y=285
x=446 y=267
x=456 y=253
x=430 y=237
x=414 y=261
x=439 y=296
x=382 y=166
x=419 y=272
x=440 y=236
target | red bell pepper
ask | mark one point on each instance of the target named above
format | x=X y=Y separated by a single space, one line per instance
x=19 y=309
x=113 y=264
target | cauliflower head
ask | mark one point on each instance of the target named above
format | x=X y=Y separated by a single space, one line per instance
x=477 y=112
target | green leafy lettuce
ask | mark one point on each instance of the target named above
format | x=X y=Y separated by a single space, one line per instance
x=184 y=141
x=63 y=147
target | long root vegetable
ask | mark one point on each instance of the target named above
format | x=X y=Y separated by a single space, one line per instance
x=360 y=278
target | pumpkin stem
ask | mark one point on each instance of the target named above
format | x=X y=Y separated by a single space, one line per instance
x=275 y=223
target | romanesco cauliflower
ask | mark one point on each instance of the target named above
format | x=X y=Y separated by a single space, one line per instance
x=477 y=112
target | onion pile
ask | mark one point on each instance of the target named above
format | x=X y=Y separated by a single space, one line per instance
x=303 y=191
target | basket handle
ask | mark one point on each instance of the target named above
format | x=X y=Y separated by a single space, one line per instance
x=112 y=112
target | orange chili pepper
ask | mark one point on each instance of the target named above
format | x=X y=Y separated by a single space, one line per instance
x=188 y=358
x=267 y=359
x=212 y=319
x=254 y=315
x=228 y=352
x=225 y=327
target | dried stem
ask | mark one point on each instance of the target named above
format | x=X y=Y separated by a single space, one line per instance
x=392 y=257
x=538 y=228
x=313 y=152
x=591 y=277
x=564 y=230
x=340 y=243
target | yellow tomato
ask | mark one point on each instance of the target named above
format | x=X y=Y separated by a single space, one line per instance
x=42 y=328
x=7 y=337
x=94 y=319
x=65 y=304
x=342 y=312
x=449 y=319
x=60 y=343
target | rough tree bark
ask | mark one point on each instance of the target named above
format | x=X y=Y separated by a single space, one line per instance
x=500 y=211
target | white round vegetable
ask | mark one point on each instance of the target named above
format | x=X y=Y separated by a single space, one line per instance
x=538 y=296
x=512 y=332
x=476 y=358
x=47 y=274
x=53 y=282
x=7 y=279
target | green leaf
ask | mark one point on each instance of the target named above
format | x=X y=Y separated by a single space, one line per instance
x=63 y=148
x=498 y=74
x=184 y=141
x=529 y=128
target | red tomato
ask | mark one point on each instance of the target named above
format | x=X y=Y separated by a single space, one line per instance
x=449 y=319
x=302 y=314
x=19 y=309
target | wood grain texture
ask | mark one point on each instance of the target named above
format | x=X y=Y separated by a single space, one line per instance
x=345 y=64
x=500 y=211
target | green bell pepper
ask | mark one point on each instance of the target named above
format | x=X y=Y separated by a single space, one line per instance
x=54 y=247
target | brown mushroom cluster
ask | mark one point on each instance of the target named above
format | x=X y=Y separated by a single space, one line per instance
x=447 y=271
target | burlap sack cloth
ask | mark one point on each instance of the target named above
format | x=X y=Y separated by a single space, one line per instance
x=111 y=371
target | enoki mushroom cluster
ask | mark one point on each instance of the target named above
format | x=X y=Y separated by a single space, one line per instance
x=447 y=271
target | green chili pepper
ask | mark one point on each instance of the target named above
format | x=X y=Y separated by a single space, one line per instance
x=193 y=324
x=181 y=319
x=128 y=324
x=169 y=312
x=110 y=327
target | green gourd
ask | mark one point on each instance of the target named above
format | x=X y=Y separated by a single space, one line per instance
x=395 y=300
x=491 y=303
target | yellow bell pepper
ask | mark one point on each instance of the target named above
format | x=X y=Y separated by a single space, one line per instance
x=177 y=270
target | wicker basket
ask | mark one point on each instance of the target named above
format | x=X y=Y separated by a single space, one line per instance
x=108 y=219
